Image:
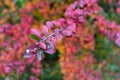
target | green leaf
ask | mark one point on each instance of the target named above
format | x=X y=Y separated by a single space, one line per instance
x=114 y=67
x=32 y=36
x=20 y=3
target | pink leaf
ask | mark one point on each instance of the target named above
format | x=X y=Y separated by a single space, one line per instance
x=1 y=30
x=78 y=12
x=71 y=28
x=86 y=1
x=44 y=29
x=49 y=24
x=118 y=34
x=68 y=13
x=74 y=5
x=67 y=32
x=7 y=69
x=56 y=23
x=118 y=10
x=42 y=45
x=50 y=48
x=58 y=34
x=117 y=41
x=33 y=78
x=93 y=1
x=50 y=51
x=62 y=22
x=82 y=3
x=35 y=32
x=53 y=39
x=81 y=19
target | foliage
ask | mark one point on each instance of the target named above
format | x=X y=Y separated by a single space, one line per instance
x=40 y=40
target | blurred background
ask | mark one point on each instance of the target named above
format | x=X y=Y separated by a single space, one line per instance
x=91 y=56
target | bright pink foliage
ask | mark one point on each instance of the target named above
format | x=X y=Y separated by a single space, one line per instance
x=75 y=14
